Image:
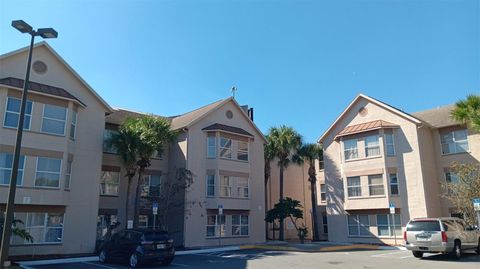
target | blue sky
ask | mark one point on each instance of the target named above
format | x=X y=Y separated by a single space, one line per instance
x=297 y=63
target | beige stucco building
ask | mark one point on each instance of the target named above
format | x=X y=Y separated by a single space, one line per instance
x=73 y=185
x=222 y=147
x=57 y=194
x=376 y=155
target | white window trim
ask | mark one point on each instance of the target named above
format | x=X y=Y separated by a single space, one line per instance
x=218 y=227
x=220 y=148
x=392 y=144
x=214 y=146
x=229 y=186
x=105 y=148
x=101 y=180
x=376 y=185
x=390 y=184
x=355 y=149
x=11 y=169
x=18 y=113
x=242 y=187
x=390 y=225
x=242 y=151
x=64 y=121
x=37 y=171
x=74 y=124
x=324 y=192
x=376 y=145
x=240 y=225
x=207 y=185
x=69 y=175
x=358 y=226
x=148 y=184
x=455 y=142
x=45 y=221
x=355 y=186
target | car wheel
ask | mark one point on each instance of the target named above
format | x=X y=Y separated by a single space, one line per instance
x=167 y=261
x=457 y=250
x=102 y=257
x=417 y=254
x=133 y=261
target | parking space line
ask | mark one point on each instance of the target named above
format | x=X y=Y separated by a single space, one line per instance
x=100 y=265
x=406 y=257
x=181 y=265
x=385 y=254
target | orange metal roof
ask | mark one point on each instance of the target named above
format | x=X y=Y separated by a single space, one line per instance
x=365 y=127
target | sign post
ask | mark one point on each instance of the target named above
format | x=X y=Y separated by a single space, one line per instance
x=476 y=207
x=220 y=228
x=392 y=213
x=155 y=212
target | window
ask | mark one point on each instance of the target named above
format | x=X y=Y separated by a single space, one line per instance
x=68 y=175
x=215 y=225
x=387 y=225
x=48 y=172
x=451 y=177
x=354 y=186
x=6 y=163
x=225 y=148
x=239 y=225
x=375 y=185
x=454 y=141
x=54 y=119
x=389 y=143
x=210 y=185
x=151 y=186
x=225 y=186
x=73 y=125
x=393 y=184
x=325 y=223
x=242 y=151
x=107 y=146
x=323 y=193
x=45 y=227
x=350 y=149
x=103 y=223
x=372 y=146
x=211 y=146
x=12 y=113
x=242 y=187
x=358 y=225
x=143 y=221
x=109 y=183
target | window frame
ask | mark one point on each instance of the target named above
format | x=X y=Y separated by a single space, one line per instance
x=73 y=125
x=240 y=193
x=226 y=187
x=370 y=147
x=217 y=226
x=103 y=181
x=359 y=225
x=359 y=187
x=68 y=174
x=107 y=134
x=324 y=223
x=48 y=172
x=370 y=185
x=353 y=151
x=323 y=192
x=245 y=152
x=454 y=142
x=449 y=175
x=389 y=145
x=147 y=184
x=211 y=138
x=207 y=183
x=240 y=225
x=396 y=184
x=45 y=228
x=53 y=119
x=20 y=169
x=391 y=226
x=227 y=149
x=27 y=114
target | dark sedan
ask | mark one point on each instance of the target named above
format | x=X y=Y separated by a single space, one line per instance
x=138 y=246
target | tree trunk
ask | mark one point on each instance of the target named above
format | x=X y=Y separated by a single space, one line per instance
x=313 y=194
x=137 y=197
x=127 y=201
x=281 y=236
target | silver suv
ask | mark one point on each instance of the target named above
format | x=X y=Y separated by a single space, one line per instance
x=440 y=235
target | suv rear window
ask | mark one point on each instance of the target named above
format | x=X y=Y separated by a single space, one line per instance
x=155 y=236
x=416 y=226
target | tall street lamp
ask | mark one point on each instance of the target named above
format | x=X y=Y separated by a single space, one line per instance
x=23 y=27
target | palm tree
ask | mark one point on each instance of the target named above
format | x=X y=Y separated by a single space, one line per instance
x=310 y=153
x=269 y=155
x=468 y=111
x=286 y=142
x=126 y=143
x=153 y=134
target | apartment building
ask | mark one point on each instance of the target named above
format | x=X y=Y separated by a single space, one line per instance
x=222 y=147
x=376 y=155
x=57 y=195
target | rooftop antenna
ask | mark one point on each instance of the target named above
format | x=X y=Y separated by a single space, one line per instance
x=233 y=90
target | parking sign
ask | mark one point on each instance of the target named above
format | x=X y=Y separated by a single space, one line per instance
x=392 y=208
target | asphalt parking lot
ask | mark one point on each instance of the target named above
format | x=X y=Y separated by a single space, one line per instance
x=265 y=259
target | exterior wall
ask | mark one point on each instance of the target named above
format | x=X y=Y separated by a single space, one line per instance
x=199 y=164
x=411 y=200
x=79 y=204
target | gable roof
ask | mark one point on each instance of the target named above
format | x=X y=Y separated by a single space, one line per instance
x=438 y=117
x=40 y=88
x=374 y=101
x=49 y=48
x=365 y=127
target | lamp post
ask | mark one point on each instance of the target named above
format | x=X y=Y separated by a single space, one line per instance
x=23 y=27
